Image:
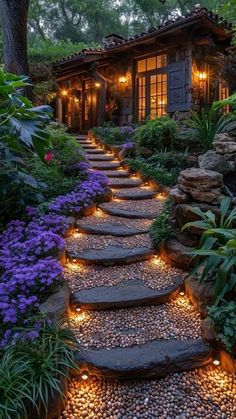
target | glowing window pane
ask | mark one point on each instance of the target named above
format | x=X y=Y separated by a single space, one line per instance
x=151 y=63
x=141 y=66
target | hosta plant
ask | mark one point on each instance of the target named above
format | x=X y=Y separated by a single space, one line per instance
x=216 y=255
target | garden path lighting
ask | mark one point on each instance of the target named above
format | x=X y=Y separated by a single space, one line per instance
x=216 y=362
x=84 y=375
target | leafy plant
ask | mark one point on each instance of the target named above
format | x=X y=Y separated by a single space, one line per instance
x=206 y=125
x=31 y=370
x=161 y=230
x=224 y=320
x=22 y=123
x=156 y=134
x=216 y=256
x=159 y=174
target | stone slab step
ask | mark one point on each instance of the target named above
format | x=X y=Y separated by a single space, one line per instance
x=94 y=151
x=131 y=293
x=135 y=194
x=125 y=213
x=115 y=173
x=152 y=359
x=110 y=229
x=125 y=183
x=111 y=255
x=89 y=146
x=105 y=165
x=100 y=157
x=86 y=142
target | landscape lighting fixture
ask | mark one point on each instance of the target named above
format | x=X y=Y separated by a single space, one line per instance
x=64 y=92
x=84 y=375
x=216 y=362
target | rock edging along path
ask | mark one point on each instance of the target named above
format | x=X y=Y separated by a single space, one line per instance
x=152 y=359
x=116 y=245
x=126 y=294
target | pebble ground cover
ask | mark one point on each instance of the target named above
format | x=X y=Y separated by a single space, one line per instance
x=206 y=392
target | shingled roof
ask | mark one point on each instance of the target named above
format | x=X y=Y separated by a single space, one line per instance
x=197 y=13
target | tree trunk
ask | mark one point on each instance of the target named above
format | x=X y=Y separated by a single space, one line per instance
x=14 y=15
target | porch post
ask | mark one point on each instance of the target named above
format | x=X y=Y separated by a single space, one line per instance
x=102 y=103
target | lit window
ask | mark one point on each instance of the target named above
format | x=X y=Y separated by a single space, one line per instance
x=158 y=95
x=152 y=63
x=141 y=98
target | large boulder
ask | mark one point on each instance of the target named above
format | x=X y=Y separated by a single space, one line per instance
x=178 y=196
x=201 y=184
x=225 y=144
x=216 y=162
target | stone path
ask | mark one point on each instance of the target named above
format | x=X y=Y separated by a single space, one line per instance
x=131 y=317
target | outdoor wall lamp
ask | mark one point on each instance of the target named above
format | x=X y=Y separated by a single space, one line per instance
x=97 y=85
x=202 y=75
x=64 y=93
x=122 y=79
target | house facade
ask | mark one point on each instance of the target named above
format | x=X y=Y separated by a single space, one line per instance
x=166 y=70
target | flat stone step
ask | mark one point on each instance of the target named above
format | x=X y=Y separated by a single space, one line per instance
x=89 y=147
x=94 y=151
x=152 y=359
x=125 y=183
x=119 y=212
x=105 y=165
x=100 y=157
x=135 y=194
x=111 y=255
x=132 y=293
x=115 y=173
x=110 y=229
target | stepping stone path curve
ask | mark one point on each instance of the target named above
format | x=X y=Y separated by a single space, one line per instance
x=117 y=235
x=130 y=319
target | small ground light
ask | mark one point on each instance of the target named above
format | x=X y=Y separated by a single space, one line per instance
x=216 y=362
x=181 y=293
x=78 y=309
x=84 y=375
x=73 y=260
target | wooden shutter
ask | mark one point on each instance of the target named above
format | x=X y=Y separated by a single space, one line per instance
x=178 y=87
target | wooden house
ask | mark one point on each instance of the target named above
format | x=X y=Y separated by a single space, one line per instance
x=166 y=70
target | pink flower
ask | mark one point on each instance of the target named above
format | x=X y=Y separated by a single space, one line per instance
x=48 y=156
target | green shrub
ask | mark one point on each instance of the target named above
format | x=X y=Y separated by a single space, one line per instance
x=224 y=321
x=31 y=370
x=158 y=173
x=156 y=134
x=216 y=255
x=161 y=230
x=210 y=122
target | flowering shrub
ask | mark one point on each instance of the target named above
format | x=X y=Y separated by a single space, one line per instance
x=85 y=193
x=29 y=270
x=29 y=267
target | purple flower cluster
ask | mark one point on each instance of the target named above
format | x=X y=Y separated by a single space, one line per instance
x=29 y=265
x=84 y=194
x=128 y=146
x=29 y=270
x=127 y=131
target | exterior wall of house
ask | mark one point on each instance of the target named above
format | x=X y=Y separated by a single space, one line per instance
x=189 y=73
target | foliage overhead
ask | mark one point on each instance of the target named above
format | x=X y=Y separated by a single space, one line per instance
x=21 y=124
